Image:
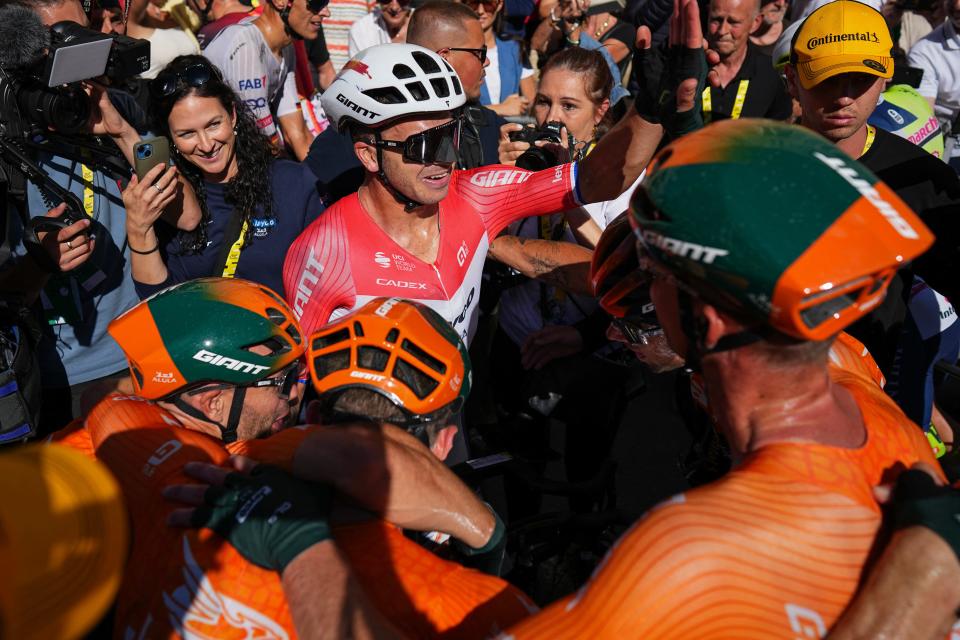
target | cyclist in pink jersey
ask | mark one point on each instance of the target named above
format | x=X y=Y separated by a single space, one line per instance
x=420 y=229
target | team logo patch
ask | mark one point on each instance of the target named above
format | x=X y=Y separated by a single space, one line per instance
x=359 y=67
x=382 y=260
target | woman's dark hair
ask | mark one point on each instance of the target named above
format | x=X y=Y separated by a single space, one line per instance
x=249 y=191
x=597 y=78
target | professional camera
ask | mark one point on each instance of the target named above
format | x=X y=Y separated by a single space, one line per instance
x=536 y=158
x=42 y=69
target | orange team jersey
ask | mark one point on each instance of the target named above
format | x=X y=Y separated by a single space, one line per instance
x=191 y=584
x=774 y=549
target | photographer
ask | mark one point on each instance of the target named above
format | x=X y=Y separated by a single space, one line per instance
x=546 y=338
x=86 y=281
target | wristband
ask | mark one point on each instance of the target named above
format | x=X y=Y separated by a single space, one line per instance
x=142 y=253
x=918 y=501
x=495 y=538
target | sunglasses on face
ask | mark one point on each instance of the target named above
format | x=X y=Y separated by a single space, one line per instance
x=637 y=333
x=439 y=145
x=316 y=6
x=166 y=83
x=283 y=381
x=480 y=53
x=402 y=3
x=488 y=5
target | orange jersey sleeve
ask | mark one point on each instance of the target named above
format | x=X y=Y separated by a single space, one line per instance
x=423 y=595
x=774 y=549
x=178 y=583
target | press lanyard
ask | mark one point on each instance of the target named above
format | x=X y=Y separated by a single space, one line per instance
x=87 y=175
x=233 y=258
x=871 y=134
x=737 y=103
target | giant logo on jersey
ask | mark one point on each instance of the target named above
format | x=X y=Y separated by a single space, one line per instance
x=308 y=279
x=197 y=611
x=499 y=177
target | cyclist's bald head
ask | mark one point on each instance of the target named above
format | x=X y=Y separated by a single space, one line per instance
x=439 y=24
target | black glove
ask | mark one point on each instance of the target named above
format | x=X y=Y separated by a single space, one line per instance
x=269 y=516
x=658 y=74
x=917 y=500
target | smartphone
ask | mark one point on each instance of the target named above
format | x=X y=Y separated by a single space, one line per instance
x=149 y=153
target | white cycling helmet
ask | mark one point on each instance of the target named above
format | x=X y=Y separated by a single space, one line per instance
x=390 y=81
x=783 y=47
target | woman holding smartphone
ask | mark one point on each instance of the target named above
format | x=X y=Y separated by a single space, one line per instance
x=253 y=205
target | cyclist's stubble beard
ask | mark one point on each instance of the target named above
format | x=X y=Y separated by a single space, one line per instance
x=265 y=412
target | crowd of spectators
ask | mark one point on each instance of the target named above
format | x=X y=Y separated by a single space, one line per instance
x=334 y=170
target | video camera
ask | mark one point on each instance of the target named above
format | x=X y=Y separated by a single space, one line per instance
x=42 y=70
x=536 y=158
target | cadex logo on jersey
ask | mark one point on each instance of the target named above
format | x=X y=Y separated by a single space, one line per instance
x=228 y=363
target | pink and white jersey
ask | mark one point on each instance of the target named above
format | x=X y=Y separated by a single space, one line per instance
x=343 y=259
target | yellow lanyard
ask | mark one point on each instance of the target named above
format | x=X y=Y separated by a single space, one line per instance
x=87 y=174
x=233 y=258
x=871 y=134
x=737 y=103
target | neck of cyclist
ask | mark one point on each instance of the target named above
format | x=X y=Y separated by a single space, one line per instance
x=271 y=26
x=392 y=216
x=761 y=395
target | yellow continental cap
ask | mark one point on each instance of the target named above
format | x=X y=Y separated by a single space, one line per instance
x=63 y=542
x=843 y=36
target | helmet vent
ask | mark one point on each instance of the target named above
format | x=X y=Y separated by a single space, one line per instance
x=294 y=333
x=424 y=357
x=276 y=316
x=440 y=86
x=358 y=329
x=392 y=335
x=427 y=63
x=418 y=91
x=372 y=358
x=327 y=363
x=447 y=65
x=136 y=374
x=456 y=85
x=386 y=95
x=275 y=346
x=420 y=383
x=402 y=72
x=322 y=342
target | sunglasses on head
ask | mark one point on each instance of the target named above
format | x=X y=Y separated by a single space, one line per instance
x=439 y=145
x=167 y=82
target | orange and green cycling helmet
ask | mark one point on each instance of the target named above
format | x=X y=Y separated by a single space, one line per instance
x=400 y=349
x=773 y=221
x=202 y=332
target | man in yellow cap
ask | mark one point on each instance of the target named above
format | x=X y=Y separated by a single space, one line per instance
x=63 y=542
x=840 y=62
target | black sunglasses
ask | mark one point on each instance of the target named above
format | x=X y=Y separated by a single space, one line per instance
x=636 y=332
x=480 y=53
x=166 y=83
x=439 y=145
x=489 y=6
x=316 y=6
x=402 y=3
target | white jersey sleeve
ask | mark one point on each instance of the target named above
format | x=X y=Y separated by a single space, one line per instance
x=236 y=52
x=287 y=99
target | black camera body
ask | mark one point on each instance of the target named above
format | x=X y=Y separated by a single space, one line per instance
x=537 y=158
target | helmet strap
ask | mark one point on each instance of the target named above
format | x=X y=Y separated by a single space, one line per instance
x=696 y=334
x=408 y=204
x=285 y=17
x=228 y=432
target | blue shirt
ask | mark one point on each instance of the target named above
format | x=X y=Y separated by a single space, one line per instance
x=296 y=203
x=79 y=305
